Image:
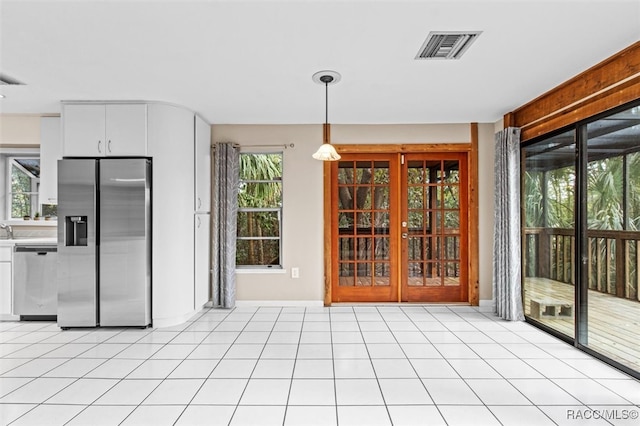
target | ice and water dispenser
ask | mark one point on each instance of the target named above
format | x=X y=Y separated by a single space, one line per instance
x=75 y=230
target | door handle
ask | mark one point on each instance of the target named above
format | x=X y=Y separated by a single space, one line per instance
x=405 y=235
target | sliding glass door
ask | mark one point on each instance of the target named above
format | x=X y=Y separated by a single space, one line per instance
x=613 y=234
x=549 y=187
x=581 y=235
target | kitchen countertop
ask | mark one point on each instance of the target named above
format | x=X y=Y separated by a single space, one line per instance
x=14 y=241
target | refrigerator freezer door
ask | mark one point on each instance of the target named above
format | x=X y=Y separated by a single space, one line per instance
x=125 y=262
x=77 y=286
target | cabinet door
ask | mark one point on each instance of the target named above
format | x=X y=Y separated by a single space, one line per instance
x=50 y=153
x=203 y=166
x=201 y=263
x=83 y=130
x=126 y=130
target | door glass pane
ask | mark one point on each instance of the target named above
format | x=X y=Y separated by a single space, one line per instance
x=382 y=248
x=381 y=173
x=613 y=203
x=345 y=223
x=549 y=177
x=346 y=199
x=452 y=273
x=363 y=220
x=432 y=274
x=452 y=248
x=416 y=219
x=416 y=197
x=415 y=248
x=416 y=173
x=381 y=197
x=381 y=222
x=346 y=247
x=451 y=196
x=451 y=221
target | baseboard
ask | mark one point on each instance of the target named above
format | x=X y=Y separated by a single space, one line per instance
x=486 y=305
x=279 y=303
x=170 y=322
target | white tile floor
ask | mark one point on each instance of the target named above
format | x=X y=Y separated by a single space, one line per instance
x=362 y=365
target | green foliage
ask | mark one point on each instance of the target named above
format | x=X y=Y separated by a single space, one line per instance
x=21 y=193
x=560 y=197
x=605 y=194
x=260 y=180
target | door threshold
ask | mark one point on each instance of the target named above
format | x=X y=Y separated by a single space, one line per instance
x=400 y=304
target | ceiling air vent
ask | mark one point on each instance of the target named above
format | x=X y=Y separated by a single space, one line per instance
x=446 y=44
x=5 y=80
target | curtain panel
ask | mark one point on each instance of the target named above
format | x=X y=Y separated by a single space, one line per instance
x=224 y=216
x=507 y=292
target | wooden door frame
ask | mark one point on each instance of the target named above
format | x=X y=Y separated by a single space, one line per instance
x=471 y=148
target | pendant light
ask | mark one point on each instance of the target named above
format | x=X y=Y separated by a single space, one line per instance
x=326 y=152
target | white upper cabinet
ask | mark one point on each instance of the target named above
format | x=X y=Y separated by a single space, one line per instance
x=101 y=130
x=202 y=196
x=50 y=153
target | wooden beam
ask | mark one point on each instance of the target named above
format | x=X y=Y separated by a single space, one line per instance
x=401 y=148
x=612 y=82
x=628 y=92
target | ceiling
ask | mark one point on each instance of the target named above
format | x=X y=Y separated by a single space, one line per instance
x=252 y=61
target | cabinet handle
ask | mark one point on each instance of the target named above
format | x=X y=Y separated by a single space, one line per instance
x=100 y=147
x=198 y=222
x=199 y=202
x=109 y=146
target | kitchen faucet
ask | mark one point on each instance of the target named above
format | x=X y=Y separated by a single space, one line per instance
x=8 y=229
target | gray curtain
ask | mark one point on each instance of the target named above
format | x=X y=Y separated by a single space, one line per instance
x=507 y=294
x=224 y=214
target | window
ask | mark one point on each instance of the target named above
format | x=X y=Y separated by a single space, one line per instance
x=22 y=188
x=23 y=180
x=259 y=242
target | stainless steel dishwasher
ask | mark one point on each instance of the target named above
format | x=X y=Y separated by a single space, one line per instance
x=35 y=290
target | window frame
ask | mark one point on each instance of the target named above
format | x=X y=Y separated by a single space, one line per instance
x=278 y=210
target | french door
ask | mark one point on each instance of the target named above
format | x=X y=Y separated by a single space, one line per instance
x=399 y=228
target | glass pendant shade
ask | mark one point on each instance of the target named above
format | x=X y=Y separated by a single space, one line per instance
x=326 y=152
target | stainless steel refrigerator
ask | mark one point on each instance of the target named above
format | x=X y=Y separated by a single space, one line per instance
x=104 y=242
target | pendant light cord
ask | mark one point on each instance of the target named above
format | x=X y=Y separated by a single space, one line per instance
x=326 y=102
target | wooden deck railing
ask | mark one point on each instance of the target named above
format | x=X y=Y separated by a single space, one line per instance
x=613 y=259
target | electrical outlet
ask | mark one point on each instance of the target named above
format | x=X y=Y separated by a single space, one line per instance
x=295 y=272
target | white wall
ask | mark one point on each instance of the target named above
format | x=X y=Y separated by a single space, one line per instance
x=302 y=209
x=486 y=208
x=18 y=130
